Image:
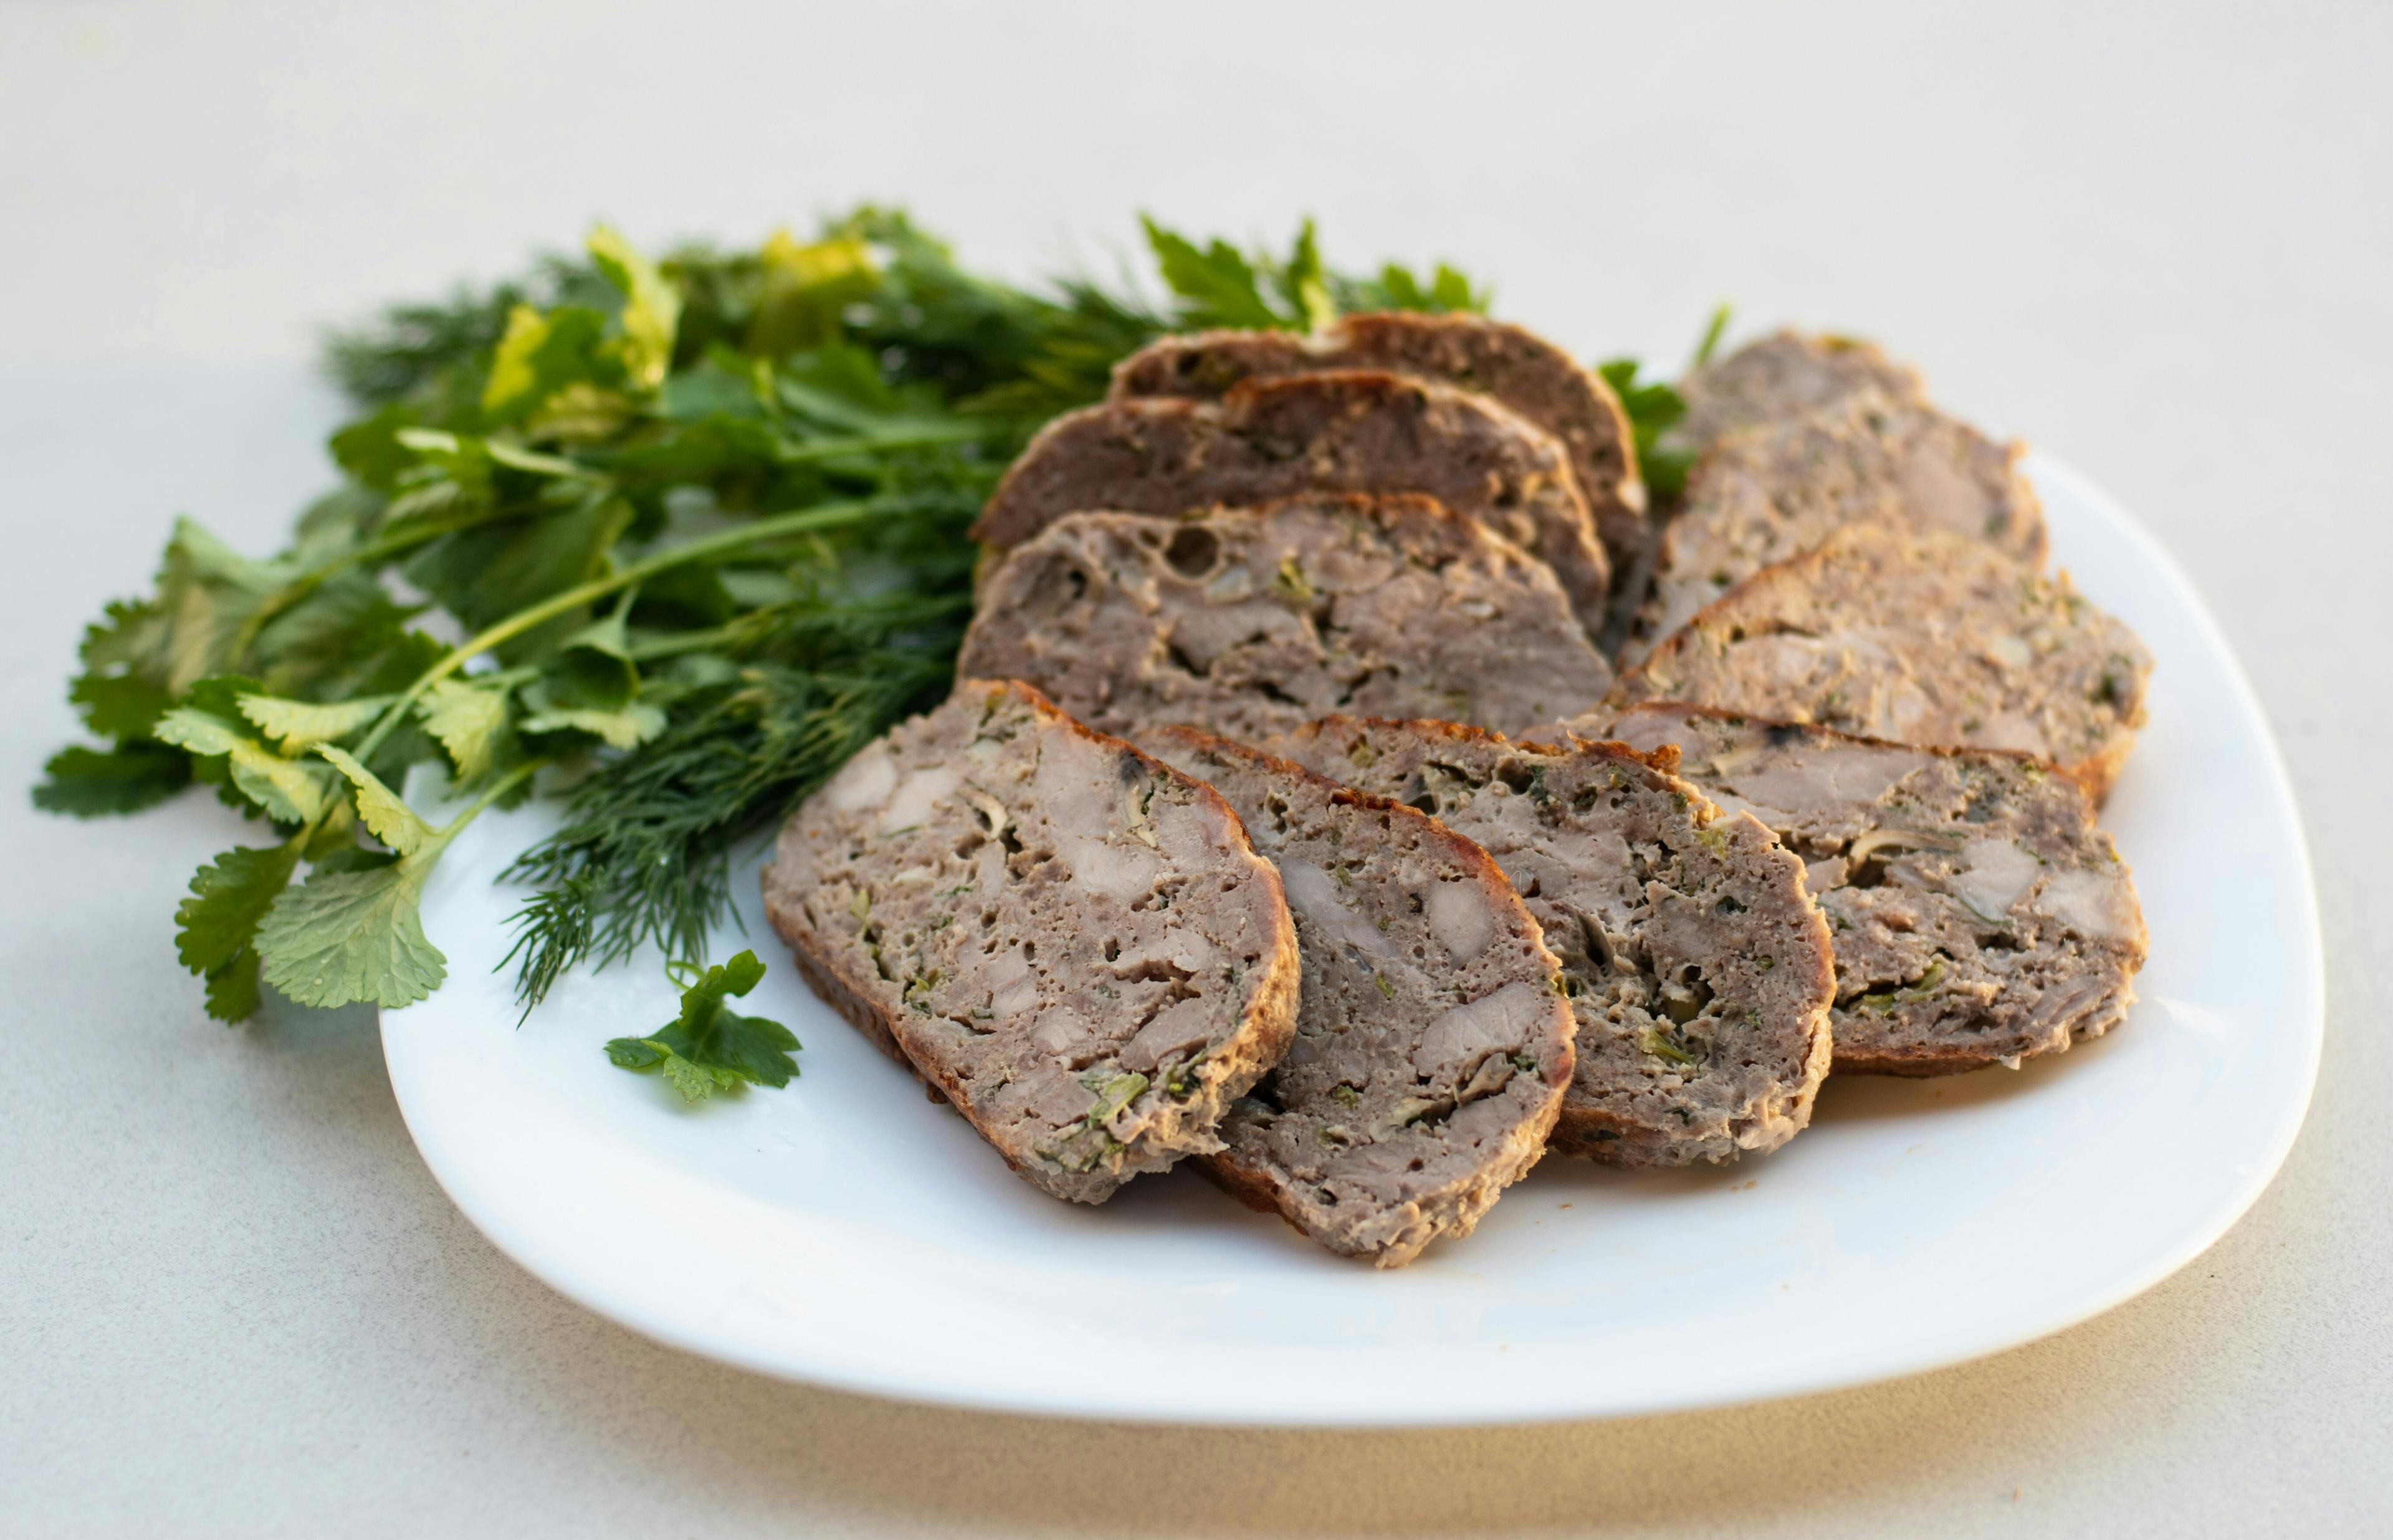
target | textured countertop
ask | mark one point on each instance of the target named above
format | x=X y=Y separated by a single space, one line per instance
x=2156 y=241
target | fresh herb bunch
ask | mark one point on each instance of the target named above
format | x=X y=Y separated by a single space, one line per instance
x=682 y=534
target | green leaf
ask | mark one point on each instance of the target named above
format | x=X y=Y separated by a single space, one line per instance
x=805 y=287
x=386 y=816
x=92 y=783
x=206 y=595
x=369 y=448
x=710 y=1047
x=346 y=936
x=328 y=642
x=1652 y=407
x=539 y=355
x=483 y=576
x=651 y=306
x=1216 y=286
x=217 y=926
x=123 y=705
x=625 y=727
x=468 y=721
x=299 y=724
x=1305 y=281
x=592 y=686
x=288 y=790
x=231 y=991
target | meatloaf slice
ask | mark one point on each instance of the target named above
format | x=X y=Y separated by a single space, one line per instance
x=1431 y=1047
x=1915 y=636
x=1784 y=377
x=1764 y=494
x=1517 y=367
x=1979 y=917
x=1252 y=622
x=1341 y=431
x=1072 y=941
x=1698 y=972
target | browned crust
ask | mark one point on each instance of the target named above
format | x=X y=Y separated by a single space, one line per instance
x=1514 y=365
x=2095 y=774
x=1270 y=1023
x=1548 y=514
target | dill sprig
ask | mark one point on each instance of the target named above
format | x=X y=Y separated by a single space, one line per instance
x=644 y=854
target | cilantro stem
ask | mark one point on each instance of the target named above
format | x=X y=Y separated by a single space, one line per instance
x=823 y=516
x=491 y=793
x=831 y=448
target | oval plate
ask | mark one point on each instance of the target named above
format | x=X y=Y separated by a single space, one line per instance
x=848 y=1232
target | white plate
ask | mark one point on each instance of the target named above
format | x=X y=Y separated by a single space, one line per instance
x=848 y=1232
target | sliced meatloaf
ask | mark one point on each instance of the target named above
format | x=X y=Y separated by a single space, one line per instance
x=1431 y=1047
x=1916 y=637
x=1251 y=621
x=1072 y=942
x=1781 y=377
x=1764 y=494
x=1978 y=915
x=1697 y=968
x=1342 y=430
x=1517 y=367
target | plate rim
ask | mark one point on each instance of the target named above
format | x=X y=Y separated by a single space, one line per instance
x=2233 y=1200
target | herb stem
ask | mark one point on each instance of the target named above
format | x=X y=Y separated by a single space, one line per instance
x=491 y=793
x=804 y=521
x=831 y=448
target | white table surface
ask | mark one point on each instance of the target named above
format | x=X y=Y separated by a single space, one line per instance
x=2158 y=241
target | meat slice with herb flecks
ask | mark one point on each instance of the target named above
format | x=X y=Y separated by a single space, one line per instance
x=1432 y=1045
x=1978 y=914
x=1765 y=493
x=1339 y=431
x=1070 y=940
x=1697 y=968
x=1915 y=636
x=1251 y=621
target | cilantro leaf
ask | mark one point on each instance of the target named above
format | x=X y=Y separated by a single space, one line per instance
x=379 y=808
x=1304 y=282
x=217 y=926
x=651 y=306
x=352 y=931
x=539 y=355
x=92 y=783
x=1217 y=285
x=805 y=288
x=468 y=719
x=344 y=937
x=287 y=790
x=484 y=575
x=710 y=1047
x=297 y=724
x=1652 y=406
x=591 y=685
x=123 y=705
